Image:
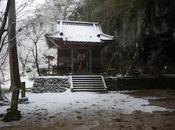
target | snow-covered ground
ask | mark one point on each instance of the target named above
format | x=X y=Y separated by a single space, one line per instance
x=51 y=107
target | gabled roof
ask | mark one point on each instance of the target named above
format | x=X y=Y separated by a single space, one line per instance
x=79 y=32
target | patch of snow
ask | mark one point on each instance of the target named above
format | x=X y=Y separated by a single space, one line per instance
x=117 y=76
x=43 y=66
x=68 y=105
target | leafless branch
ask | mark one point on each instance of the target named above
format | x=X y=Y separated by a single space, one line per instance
x=3 y=58
x=4 y=19
x=3 y=42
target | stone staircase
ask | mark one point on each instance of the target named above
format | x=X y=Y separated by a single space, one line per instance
x=90 y=83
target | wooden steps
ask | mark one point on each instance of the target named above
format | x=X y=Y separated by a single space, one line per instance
x=90 y=83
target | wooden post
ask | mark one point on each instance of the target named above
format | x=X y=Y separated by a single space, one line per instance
x=23 y=89
x=72 y=60
x=23 y=98
x=90 y=62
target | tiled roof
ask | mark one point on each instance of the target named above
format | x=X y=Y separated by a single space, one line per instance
x=75 y=31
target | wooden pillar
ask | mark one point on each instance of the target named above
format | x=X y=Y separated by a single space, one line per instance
x=57 y=56
x=90 y=62
x=101 y=59
x=72 y=60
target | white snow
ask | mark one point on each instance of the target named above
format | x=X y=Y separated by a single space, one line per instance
x=69 y=105
x=81 y=32
x=27 y=7
x=59 y=77
x=43 y=66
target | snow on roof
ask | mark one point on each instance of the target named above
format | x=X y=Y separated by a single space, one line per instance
x=76 y=31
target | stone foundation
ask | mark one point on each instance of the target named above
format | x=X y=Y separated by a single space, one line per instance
x=50 y=84
x=135 y=83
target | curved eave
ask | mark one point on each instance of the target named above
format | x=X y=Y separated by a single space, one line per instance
x=53 y=42
x=107 y=36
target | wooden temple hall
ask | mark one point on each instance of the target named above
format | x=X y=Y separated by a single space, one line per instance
x=79 y=46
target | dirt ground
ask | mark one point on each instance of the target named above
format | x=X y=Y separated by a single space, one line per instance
x=117 y=121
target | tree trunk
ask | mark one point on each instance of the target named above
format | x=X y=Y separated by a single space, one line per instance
x=36 y=59
x=13 y=113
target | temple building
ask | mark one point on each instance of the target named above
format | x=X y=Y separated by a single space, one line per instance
x=79 y=46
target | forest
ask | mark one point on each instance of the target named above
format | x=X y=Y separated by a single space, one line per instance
x=144 y=31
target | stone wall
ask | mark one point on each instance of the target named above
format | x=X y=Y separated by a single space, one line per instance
x=140 y=83
x=50 y=84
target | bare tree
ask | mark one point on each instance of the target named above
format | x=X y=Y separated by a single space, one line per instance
x=35 y=31
x=24 y=59
x=2 y=31
x=3 y=21
x=21 y=11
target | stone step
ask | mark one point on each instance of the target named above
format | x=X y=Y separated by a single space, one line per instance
x=89 y=90
x=88 y=83
x=86 y=75
x=87 y=79
x=88 y=87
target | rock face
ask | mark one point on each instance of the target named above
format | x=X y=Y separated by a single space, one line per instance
x=50 y=84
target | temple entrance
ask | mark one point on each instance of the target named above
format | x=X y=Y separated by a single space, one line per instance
x=79 y=46
x=81 y=60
